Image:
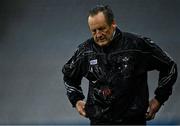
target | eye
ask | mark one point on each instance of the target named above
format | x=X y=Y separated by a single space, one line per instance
x=101 y=28
x=94 y=31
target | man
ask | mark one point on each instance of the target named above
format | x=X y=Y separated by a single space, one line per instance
x=116 y=64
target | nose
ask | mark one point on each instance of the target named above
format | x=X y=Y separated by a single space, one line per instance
x=98 y=33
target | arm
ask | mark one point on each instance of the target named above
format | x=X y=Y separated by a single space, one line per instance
x=72 y=77
x=167 y=68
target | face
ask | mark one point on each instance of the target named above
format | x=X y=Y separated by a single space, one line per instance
x=101 y=31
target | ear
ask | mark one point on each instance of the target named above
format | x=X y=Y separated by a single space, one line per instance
x=114 y=25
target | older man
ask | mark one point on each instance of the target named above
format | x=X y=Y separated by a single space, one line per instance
x=116 y=64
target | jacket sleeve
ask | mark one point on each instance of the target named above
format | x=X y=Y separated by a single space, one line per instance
x=72 y=78
x=167 y=68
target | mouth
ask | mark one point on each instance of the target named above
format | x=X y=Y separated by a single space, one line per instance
x=102 y=42
x=101 y=39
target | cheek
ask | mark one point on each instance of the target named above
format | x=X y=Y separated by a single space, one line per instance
x=95 y=38
x=109 y=34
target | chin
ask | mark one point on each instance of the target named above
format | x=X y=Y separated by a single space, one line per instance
x=103 y=44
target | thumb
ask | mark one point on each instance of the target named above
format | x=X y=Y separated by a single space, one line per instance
x=150 y=114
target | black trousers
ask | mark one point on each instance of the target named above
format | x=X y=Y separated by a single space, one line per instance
x=123 y=121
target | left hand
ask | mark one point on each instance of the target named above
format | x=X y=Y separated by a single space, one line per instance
x=154 y=106
x=80 y=106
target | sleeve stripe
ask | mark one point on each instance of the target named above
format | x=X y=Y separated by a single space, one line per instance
x=71 y=88
x=166 y=79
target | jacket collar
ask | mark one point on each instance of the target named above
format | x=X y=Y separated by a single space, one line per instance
x=117 y=33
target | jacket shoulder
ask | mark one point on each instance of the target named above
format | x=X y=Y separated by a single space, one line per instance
x=140 y=41
x=133 y=40
x=85 y=46
x=131 y=35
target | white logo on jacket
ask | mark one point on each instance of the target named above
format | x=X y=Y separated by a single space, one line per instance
x=93 y=62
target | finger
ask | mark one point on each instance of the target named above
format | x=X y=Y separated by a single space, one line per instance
x=149 y=116
x=82 y=112
x=150 y=111
x=152 y=117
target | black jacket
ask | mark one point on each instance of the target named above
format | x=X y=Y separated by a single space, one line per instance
x=117 y=76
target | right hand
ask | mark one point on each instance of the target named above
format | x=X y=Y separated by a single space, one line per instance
x=80 y=106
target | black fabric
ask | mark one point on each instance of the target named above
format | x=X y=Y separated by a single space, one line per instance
x=117 y=77
x=137 y=120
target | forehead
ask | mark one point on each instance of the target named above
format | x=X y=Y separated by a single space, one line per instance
x=97 y=20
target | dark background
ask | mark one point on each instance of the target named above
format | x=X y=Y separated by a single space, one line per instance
x=37 y=37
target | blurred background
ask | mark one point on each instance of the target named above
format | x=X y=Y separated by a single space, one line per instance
x=37 y=37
